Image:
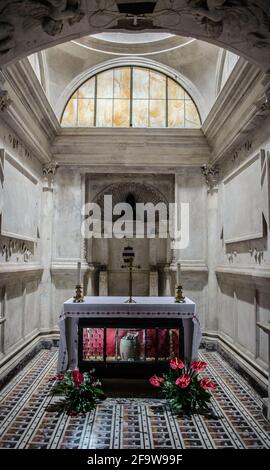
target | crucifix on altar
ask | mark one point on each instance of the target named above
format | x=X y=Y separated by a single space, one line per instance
x=128 y=256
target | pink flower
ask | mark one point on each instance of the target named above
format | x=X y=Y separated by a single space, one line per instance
x=78 y=378
x=57 y=377
x=206 y=383
x=198 y=365
x=183 y=381
x=176 y=364
x=156 y=381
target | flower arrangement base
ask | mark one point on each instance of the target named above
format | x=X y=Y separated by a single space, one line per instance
x=81 y=392
x=186 y=392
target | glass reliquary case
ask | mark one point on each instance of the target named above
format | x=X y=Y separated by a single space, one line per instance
x=127 y=345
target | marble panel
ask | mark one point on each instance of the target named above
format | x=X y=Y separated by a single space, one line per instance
x=140 y=83
x=86 y=110
x=157 y=85
x=121 y=82
x=69 y=118
x=121 y=113
x=87 y=90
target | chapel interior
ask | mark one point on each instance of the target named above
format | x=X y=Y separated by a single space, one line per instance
x=146 y=102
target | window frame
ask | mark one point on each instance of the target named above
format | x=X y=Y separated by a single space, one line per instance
x=131 y=99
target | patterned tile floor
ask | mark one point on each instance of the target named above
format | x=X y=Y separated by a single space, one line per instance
x=130 y=423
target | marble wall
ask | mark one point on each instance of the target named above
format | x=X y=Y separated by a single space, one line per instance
x=20 y=252
x=242 y=267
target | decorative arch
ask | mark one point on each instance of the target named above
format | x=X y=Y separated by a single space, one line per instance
x=152 y=95
x=141 y=192
x=242 y=27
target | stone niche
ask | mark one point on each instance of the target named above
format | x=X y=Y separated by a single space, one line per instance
x=152 y=255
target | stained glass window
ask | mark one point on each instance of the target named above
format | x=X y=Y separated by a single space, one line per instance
x=131 y=97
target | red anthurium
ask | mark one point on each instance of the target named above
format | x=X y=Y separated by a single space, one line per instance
x=176 y=364
x=198 y=365
x=78 y=378
x=183 y=381
x=57 y=377
x=156 y=381
x=206 y=383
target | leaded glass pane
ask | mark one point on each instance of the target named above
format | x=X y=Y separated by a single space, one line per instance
x=140 y=113
x=175 y=91
x=140 y=83
x=87 y=90
x=121 y=113
x=70 y=114
x=122 y=82
x=157 y=101
x=86 y=110
x=176 y=113
x=191 y=115
x=157 y=115
x=157 y=85
x=104 y=113
x=105 y=84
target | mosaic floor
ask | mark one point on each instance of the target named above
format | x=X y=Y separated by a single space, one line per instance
x=130 y=423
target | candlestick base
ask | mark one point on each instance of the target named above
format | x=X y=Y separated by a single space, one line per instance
x=78 y=297
x=130 y=301
x=179 y=297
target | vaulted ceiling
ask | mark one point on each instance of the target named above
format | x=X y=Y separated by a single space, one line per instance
x=242 y=26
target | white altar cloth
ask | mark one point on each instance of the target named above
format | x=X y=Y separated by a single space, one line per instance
x=115 y=307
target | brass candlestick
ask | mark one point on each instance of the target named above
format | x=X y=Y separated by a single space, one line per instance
x=179 y=297
x=78 y=297
x=128 y=256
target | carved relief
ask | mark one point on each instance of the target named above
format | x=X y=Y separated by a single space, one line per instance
x=211 y=174
x=16 y=144
x=10 y=247
x=234 y=16
x=263 y=105
x=242 y=24
x=51 y=15
x=5 y=101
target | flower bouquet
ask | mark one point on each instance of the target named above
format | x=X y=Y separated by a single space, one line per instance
x=185 y=390
x=81 y=391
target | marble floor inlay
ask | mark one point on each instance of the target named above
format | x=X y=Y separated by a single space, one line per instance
x=130 y=423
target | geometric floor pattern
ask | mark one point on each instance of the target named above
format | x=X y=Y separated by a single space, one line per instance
x=130 y=423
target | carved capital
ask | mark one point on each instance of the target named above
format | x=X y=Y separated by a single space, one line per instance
x=211 y=174
x=49 y=171
x=5 y=101
x=263 y=104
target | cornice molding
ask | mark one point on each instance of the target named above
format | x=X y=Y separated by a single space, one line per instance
x=246 y=276
x=236 y=111
x=27 y=87
x=30 y=114
x=13 y=272
x=131 y=147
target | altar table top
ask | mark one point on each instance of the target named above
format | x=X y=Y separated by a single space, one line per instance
x=116 y=306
